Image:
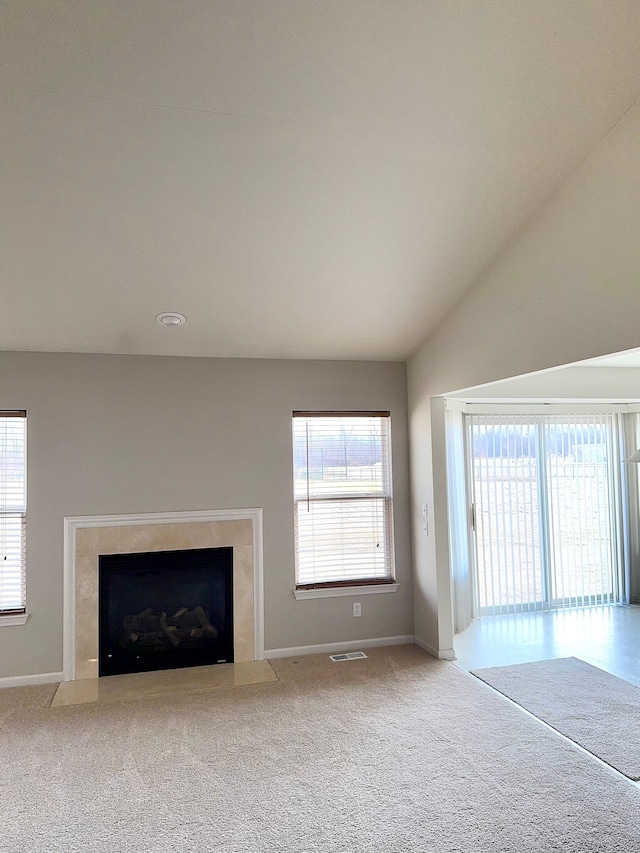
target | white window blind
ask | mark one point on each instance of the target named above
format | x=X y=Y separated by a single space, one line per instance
x=343 y=501
x=13 y=512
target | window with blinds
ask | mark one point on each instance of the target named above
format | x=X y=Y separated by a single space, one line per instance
x=13 y=512
x=343 y=500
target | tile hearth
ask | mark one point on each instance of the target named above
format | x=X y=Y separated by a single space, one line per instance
x=140 y=685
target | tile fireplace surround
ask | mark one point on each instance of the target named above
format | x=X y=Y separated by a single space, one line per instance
x=87 y=537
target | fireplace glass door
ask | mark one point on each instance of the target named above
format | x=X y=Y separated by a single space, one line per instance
x=165 y=610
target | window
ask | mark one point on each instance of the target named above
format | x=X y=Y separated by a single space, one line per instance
x=13 y=512
x=342 y=491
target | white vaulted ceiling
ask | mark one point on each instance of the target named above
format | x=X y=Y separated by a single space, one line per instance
x=300 y=178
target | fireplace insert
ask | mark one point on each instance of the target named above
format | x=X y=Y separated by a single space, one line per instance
x=165 y=610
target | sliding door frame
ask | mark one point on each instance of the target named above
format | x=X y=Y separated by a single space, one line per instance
x=617 y=433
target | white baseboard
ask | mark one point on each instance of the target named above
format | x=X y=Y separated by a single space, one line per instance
x=440 y=654
x=27 y=680
x=331 y=648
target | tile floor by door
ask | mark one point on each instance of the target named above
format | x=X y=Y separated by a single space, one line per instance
x=607 y=637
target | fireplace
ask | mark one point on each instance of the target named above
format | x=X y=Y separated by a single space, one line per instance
x=89 y=538
x=165 y=610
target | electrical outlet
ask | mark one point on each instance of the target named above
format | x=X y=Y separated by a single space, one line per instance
x=357 y=608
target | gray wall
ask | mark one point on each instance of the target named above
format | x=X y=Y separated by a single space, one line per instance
x=117 y=434
x=565 y=290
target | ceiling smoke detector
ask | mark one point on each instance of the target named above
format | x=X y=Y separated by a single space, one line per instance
x=171 y=318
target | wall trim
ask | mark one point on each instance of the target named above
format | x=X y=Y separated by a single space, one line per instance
x=73 y=523
x=28 y=680
x=504 y=406
x=346 y=646
x=440 y=654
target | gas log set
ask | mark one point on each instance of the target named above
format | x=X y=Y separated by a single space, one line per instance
x=185 y=628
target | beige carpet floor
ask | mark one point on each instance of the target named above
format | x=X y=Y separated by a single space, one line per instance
x=589 y=706
x=390 y=754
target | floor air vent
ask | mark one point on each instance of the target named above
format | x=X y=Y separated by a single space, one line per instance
x=348 y=656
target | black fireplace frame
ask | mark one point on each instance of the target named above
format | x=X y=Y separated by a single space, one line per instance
x=113 y=659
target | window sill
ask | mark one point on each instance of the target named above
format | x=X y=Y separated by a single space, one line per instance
x=336 y=591
x=13 y=619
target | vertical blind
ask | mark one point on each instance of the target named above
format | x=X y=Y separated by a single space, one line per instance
x=545 y=503
x=342 y=493
x=13 y=512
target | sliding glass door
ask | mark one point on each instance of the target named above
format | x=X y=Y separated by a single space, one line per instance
x=545 y=497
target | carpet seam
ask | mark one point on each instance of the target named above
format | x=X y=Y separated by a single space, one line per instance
x=635 y=781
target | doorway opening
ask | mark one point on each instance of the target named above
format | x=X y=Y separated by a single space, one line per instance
x=539 y=500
